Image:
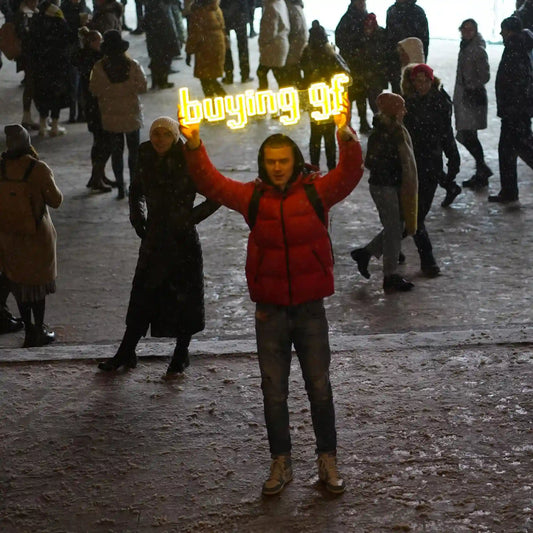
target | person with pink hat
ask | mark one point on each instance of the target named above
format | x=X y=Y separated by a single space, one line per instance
x=393 y=186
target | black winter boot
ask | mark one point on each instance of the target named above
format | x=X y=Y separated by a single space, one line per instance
x=428 y=265
x=125 y=358
x=362 y=257
x=180 y=361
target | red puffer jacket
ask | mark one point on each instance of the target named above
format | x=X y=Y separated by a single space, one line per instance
x=289 y=259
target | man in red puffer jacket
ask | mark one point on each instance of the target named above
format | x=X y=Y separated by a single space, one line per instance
x=289 y=269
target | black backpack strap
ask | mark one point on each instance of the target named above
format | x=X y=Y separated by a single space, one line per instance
x=316 y=202
x=29 y=170
x=26 y=173
x=253 y=206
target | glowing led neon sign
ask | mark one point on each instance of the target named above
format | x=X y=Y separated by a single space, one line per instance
x=326 y=99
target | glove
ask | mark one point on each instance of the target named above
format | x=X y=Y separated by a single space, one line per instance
x=188 y=60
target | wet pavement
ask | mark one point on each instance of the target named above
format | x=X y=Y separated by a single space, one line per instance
x=433 y=388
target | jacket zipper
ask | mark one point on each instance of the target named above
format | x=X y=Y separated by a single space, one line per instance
x=286 y=248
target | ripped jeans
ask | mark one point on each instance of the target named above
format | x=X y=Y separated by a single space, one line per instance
x=277 y=329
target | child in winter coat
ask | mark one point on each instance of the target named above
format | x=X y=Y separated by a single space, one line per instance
x=393 y=187
x=319 y=63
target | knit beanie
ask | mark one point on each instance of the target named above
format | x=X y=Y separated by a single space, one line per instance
x=317 y=34
x=168 y=123
x=414 y=49
x=17 y=138
x=390 y=104
x=371 y=21
x=422 y=67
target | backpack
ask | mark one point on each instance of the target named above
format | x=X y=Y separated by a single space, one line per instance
x=312 y=196
x=10 y=44
x=16 y=209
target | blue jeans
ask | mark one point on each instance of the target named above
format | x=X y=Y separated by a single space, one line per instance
x=277 y=329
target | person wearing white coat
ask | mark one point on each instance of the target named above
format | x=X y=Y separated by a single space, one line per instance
x=470 y=98
x=273 y=42
x=297 y=42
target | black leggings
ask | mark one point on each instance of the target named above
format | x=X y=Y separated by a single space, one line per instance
x=470 y=140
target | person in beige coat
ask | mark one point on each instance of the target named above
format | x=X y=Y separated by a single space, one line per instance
x=28 y=261
x=116 y=81
x=207 y=41
x=273 y=42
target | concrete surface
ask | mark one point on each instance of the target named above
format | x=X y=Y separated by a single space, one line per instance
x=433 y=388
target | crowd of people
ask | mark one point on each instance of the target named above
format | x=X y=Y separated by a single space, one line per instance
x=77 y=59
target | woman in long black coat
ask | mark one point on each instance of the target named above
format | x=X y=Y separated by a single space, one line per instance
x=167 y=290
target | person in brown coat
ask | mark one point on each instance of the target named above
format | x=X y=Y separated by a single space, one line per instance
x=28 y=261
x=207 y=41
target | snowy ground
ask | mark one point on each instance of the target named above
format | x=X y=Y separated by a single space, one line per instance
x=433 y=437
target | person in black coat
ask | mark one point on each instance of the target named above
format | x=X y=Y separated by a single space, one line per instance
x=167 y=290
x=50 y=62
x=236 y=15
x=162 y=41
x=319 y=63
x=349 y=37
x=84 y=60
x=524 y=12
x=514 y=101
x=428 y=120
x=76 y=14
x=405 y=19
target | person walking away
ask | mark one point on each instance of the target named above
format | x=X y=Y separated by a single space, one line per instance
x=428 y=121
x=273 y=42
x=22 y=20
x=470 y=98
x=50 y=63
x=207 y=41
x=297 y=42
x=289 y=269
x=236 y=13
x=349 y=36
x=405 y=19
x=393 y=186
x=117 y=81
x=514 y=103
x=167 y=290
x=319 y=63
x=162 y=41
x=27 y=234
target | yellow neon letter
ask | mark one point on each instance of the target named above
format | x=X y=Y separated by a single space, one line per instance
x=337 y=82
x=266 y=102
x=192 y=109
x=214 y=109
x=289 y=101
x=319 y=97
x=235 y=105
x=251 y=108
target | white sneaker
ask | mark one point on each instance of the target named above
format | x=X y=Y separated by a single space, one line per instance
x=328 y=473
x=280 y=475
x=57 y=130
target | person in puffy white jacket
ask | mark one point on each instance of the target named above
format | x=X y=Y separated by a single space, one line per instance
x=273 y=42
x=117 y=81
